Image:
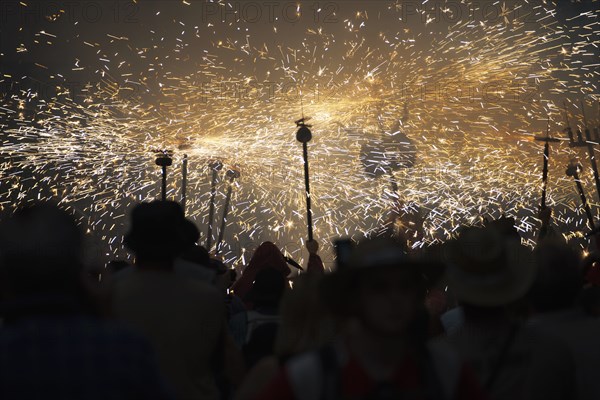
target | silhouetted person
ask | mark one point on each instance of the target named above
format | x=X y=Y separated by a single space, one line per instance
x=314 y=264
x=489 y=270
x=590 y=296
x=224 y=279
x=267 y=255
x=305 y=325
x=554 y=298
x=256 y=328
x=382 y=352
x=183 y=318
x=192 y=261
x=52 y=346
x=115 y=266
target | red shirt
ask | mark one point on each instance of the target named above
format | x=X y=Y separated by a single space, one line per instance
x=357 y=384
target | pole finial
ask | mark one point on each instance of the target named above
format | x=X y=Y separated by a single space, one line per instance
x=303 y=135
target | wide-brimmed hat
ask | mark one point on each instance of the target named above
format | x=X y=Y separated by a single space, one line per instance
x=487 y=268
x=159 y=228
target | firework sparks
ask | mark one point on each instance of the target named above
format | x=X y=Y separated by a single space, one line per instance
x=225 y=86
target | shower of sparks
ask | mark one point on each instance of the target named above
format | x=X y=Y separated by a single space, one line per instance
x=223 y=86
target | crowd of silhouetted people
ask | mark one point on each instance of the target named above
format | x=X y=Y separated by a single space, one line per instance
x=480 y=316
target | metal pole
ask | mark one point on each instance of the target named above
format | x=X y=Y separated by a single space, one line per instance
x=545 y=174
x=591 y=151
x=307 y=187
x=304 y=135
x=232 y=175
x=184 y=167
x=568 y=128
x=592 y=154
x=164 y=183
x=573 y=170
x=216 y=167
x=546 y=139
x=164 y=160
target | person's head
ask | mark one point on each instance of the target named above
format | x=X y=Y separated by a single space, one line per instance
x=488 y=270
x=267 y=255
x=559 y=278
x=590 y=301
x=380 y=288
x=114 y=266
x=224 y=276
x=267 y=289
x=305 y=324
x=590 y=269
x=197 y=255
x=40 y=252
x=159 y=232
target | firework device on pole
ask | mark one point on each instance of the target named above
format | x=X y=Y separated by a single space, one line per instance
x=591 y=152
x=164 y=160
x=215 y=166
x=232 y=174
x=184 y=166
x=304 y=135
x=547 y=139
x=585 y=142
x=568 y=127
x=573 y=170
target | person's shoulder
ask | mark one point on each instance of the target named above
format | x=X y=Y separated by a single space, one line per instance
x=535 y=335
x=448 y=363
x=441 y=346
x=546 y=349
x=200 y=296
x=305 y=374
x=79 y=329
x=191 y=270
x=200 y=288
x=112 y=330
x=167 y=280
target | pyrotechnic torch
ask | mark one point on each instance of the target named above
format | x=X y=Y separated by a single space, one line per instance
x=573 y=170
x=232 y=174
x=304 y=135
x=164 y=160
x=215 y=166
x=547 y=139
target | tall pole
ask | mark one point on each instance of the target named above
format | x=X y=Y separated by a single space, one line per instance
x=591 y=151
x=587 y=142
x=568 y=127
x=304 y=135
x=164 y=183
x=547 y=139
x=164 y=160
x=597 y=128
x=545 y=174
x=216 y=167
x=232 y=174
x=573 y=170
x=184 y=167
